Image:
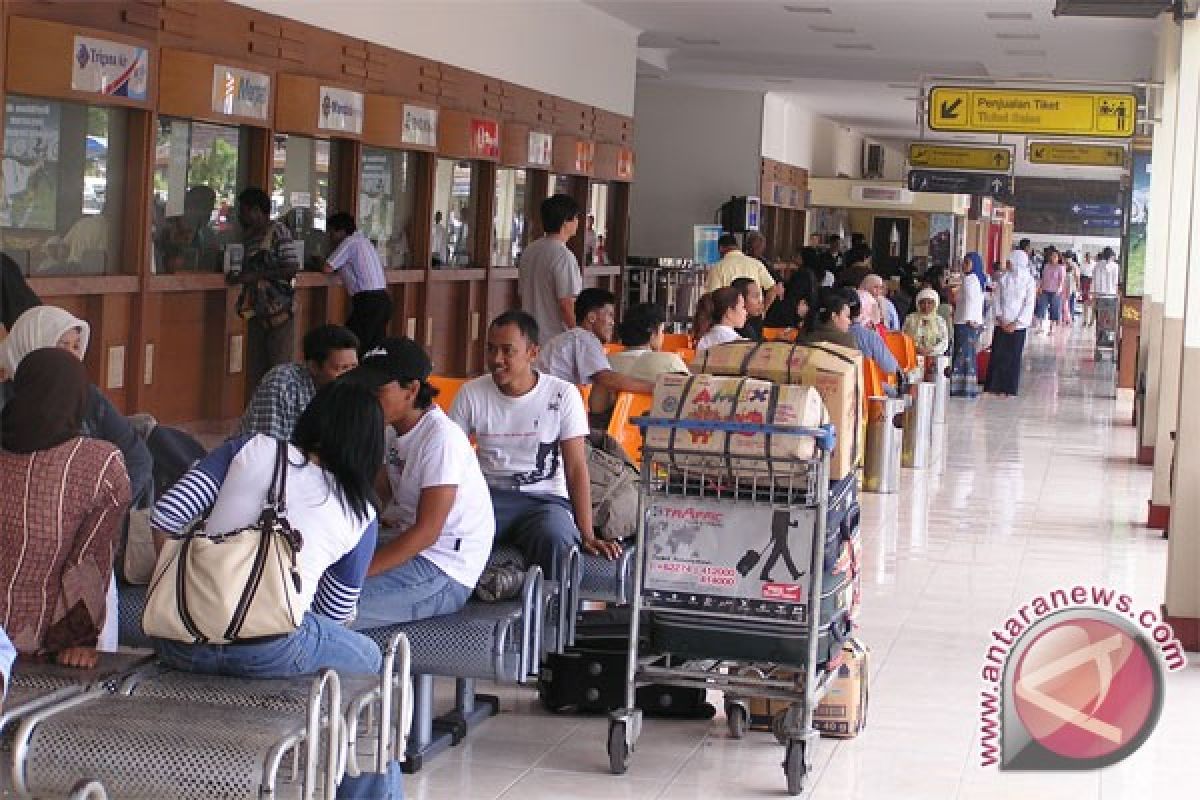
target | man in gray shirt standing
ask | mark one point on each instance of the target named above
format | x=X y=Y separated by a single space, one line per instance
x=548 y=276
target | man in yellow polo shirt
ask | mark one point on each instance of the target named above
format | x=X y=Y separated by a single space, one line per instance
x=735 y=264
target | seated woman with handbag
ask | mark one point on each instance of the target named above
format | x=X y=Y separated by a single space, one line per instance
x=264 y=584
x=65 y=497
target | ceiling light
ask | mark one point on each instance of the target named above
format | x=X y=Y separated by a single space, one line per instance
x=777 y=80
x=1009 y=16
x=831 y=29
x=854 y=46
x=1019 y=37
x=686 y=40
x=1024 y=52
x=809 y=9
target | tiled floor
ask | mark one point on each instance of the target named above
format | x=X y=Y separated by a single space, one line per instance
x=1026 y=494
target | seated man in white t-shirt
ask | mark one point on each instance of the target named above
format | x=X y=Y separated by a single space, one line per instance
x=438 y=528
x=642 y=331
x=529 y=429
x=577 y=355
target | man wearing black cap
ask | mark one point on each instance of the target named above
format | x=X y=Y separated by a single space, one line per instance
x=438 y=528
x=530 y=428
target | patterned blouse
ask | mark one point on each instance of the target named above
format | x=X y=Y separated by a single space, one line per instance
x=929 y=332
x=59 y=522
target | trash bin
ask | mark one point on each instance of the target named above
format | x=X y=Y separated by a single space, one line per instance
x=937 y=372
x=918 y=426
x=885 y=433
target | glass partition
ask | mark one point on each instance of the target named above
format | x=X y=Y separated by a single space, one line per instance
x=199 y=168
x=558 y=184
x=302 y=183
x=452 y=233
x=510 y=226
x=386 y=201
x=595 y=229
x=64 y=186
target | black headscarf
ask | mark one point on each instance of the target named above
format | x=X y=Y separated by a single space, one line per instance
x=49 y=395
x=15 y=295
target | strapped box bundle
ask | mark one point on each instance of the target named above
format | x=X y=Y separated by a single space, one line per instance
x=835 y=372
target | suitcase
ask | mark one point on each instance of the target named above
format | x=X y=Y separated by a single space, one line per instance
x=982 y=359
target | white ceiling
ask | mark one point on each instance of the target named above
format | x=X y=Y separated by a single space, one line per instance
x=761 y=46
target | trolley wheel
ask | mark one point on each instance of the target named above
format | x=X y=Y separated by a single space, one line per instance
x=738 y=718
x=618 y=748
x=795 y=766
x=779 y=726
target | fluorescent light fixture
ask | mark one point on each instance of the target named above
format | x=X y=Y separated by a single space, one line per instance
x=686 y=40
x=777 y=80
x=809 y=9
x=1024 y=52
x=831 y=29
x=1009 y=16
x=1019 y=37
x=854 y=46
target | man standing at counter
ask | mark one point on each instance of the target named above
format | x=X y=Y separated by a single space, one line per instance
x=355 y=259
x=267 y=279
x=548 y=276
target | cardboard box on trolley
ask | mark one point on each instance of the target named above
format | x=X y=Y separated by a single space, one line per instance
x=835 y=372
x=842 y=712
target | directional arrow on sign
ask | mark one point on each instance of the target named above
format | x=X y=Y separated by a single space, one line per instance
x=950 y=110
x=951 y=182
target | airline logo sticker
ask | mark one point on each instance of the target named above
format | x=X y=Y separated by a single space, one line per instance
x=485 y=138
x=420 y=126
x=541 y=149
x=341 y=110
x=240 y=92
x=110 y=68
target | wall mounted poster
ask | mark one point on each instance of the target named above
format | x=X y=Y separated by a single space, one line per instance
x=1139 y=217
x=31 y=136
x=941 y=239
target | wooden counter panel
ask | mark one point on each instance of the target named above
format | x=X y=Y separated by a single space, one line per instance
x=66 y=286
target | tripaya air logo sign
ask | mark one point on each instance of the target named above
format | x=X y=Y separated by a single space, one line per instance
x=110 y=68
x=240 y=92
x=341 y=110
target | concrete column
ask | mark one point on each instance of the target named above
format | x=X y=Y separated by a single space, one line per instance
x=1157 y=233
x=1182 y=603
x=1179 y=221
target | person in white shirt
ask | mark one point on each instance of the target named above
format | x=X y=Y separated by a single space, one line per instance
x=968 y=324
x=1107 y=273
x=642 y=332
x=718 y=316
x=437 y=240
x=529 y=428
x=1022 y=257
x=438 y=527
x=1016 y=296
x=355 y=260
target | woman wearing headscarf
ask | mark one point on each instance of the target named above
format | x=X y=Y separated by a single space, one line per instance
x=65 y=497
x=968 y=324
x=926 y=326
x=15 y=295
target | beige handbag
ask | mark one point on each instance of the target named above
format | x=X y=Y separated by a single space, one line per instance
x=233 y=587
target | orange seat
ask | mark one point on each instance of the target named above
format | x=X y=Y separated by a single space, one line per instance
x=613 y=347
x=779 y=334
x=674 y=342
x=903 y=348
x=873 y=380
x=688 y=355
x=586 y=391
x=447 y=389
x=628 y=406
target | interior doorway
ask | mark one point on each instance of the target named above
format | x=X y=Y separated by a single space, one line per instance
x=889 y=240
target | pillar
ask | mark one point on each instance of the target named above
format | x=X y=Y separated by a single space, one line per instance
x=1182 y=603
x=1175 y=289
x=1157 y=233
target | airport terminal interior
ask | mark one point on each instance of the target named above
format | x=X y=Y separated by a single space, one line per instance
x=599 y=398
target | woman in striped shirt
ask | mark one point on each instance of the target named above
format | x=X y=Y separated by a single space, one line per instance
x=336 y=451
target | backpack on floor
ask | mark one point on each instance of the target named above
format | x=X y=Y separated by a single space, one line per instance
x=614 y=482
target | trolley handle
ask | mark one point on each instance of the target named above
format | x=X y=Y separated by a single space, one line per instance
x=825 y=435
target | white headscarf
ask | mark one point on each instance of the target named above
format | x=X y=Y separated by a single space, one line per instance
x=40 y=326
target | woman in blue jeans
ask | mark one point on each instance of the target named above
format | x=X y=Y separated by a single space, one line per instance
x=336 y=451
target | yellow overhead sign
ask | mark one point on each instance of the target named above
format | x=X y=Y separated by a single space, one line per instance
x=1077 y=155
x=979 y=110
x=956 y=156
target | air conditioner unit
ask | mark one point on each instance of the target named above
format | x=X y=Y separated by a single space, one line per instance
x=889 y=195
x=1135 y=9
x=872 y=163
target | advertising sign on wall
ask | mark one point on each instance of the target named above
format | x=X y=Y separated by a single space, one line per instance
x=585 y=156
x=31 y=136
x=109 y=68
x=485 y=138
x=420 y=126
x=625 y=163
x=240 y=92
x=1139 y=217
x=541 y=149
x=340 y=110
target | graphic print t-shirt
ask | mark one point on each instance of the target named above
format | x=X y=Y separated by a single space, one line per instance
x=519 y=438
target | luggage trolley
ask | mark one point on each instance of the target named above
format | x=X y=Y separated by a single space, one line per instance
x=729 y=569
x=1107 y=308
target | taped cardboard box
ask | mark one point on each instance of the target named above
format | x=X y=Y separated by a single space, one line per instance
x=842 y=712
x=729 y=399
x=835 y=372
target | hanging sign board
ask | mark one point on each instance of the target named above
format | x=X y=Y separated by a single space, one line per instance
x=240 y=92
x=109 y=68
x=991 y=184
x=420 y=126
x=541 y=149
x=1077 y=155
x=341 y=110
x=957 y=156
x=983 y=110
x=485 y=138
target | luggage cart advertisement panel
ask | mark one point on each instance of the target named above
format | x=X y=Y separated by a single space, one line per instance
x=722 y=558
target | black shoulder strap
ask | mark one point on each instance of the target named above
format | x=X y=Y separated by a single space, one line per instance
x=277 y=494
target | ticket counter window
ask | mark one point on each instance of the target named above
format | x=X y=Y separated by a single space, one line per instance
x=595 y=236
x=302 y=184
x=558 y=184
x=386 y=201
x=452 y=234
x=511 y=222
x=199 y=168
x=63 y=186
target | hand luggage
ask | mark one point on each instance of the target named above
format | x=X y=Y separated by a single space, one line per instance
x=982 y=359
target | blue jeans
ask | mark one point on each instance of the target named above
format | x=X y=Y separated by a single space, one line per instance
x=541 y=526
x=319 y=642
x=414 y=590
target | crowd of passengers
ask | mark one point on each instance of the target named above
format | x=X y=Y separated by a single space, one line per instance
x=399 y=503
